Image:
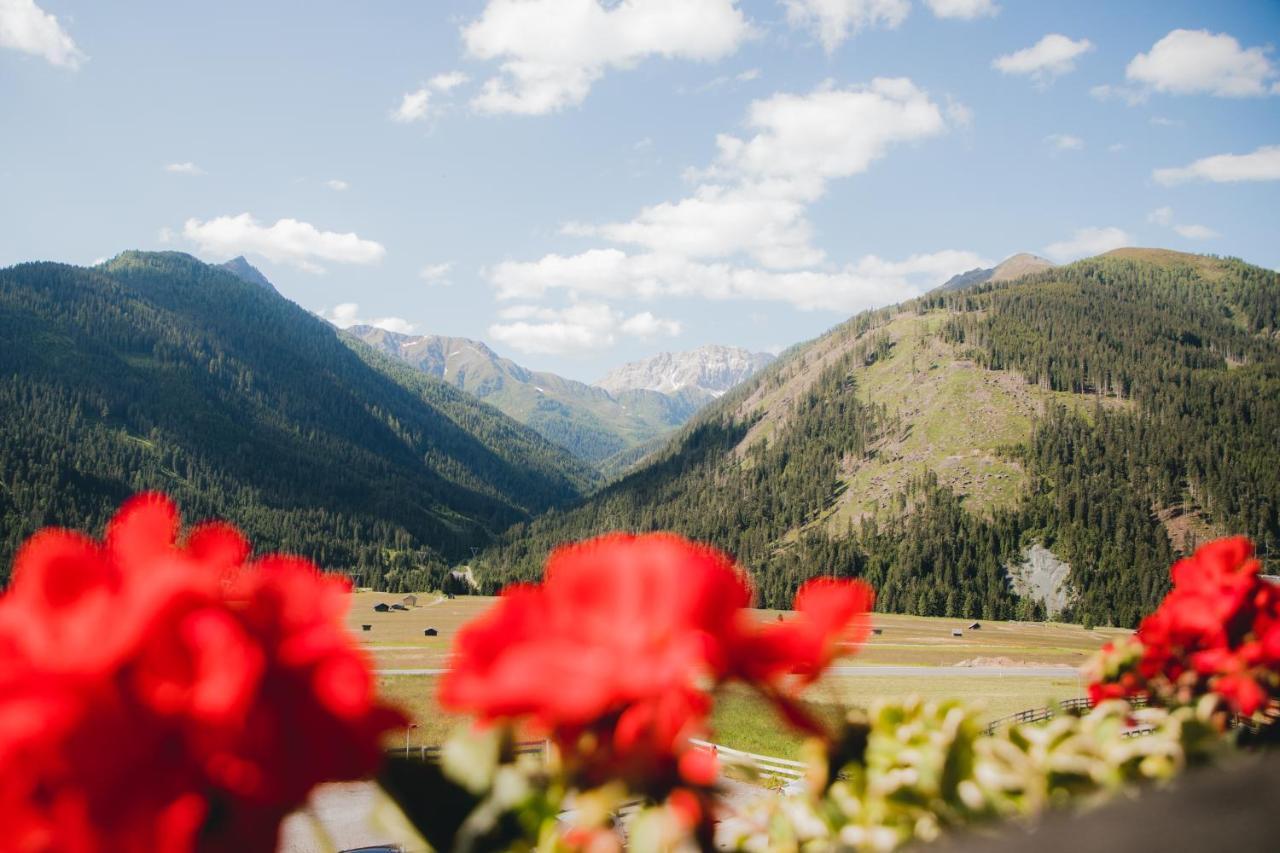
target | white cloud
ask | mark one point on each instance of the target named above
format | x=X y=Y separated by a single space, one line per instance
x=645 y=325
x=1196 y=232
x=964 y=9
x=348 y=314
x=1052 y=56
x=716 y=84
x=718 y=222
x=756 y=193
x=288 y=241
x=1164 y=216
x=833 y=21
x=743 y=232
x=436 y=273
x=1064 y=142
x=416 y=105
x=612 y=273
x=1087 y=242
x=1130 y=95
x=26 y=27
x=448 y=81
x=552 y=51
x=413 y=106
x=337 y=185
x=580 y=326
x=1161 y=121
x=958 y=113
x=1189 y=62
x=187 y=168
x=1260 y=165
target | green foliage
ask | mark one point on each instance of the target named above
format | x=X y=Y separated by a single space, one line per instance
x=1182 y=357
x=914 y=770
x=155 y=371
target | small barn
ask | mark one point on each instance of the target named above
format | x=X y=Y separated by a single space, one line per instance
x=877 y=631
x=398 y=607
x=974 y=626
x=957 y=633
x=382 y=607
x=430 y=632
x=366 y=627
x=410 y=601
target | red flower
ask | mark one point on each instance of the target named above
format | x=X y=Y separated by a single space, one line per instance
x=615 y=653
x=157 y=696
x=1218 y=630
x=618 y=640
x=829 y=613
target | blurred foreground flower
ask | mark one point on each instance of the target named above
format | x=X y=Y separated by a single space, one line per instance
x=1217 y=631
x=616 y=654
x=161 y=696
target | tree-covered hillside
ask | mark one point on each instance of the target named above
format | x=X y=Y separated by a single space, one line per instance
x=589 y=422
x=1113 y=410
x=155 y=371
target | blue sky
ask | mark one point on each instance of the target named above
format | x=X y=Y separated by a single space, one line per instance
x=582 y=184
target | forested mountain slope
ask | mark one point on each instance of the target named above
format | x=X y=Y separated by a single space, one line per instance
x=588 y=421
x=1112 y=410
x=156 y=371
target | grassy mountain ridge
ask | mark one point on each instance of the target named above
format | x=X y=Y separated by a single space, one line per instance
x=155 y=370
x=928 y=445
x=588 y=421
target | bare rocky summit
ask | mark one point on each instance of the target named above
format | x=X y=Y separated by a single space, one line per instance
x=711 y=370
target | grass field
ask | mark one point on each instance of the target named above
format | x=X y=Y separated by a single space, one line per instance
x=396 y=641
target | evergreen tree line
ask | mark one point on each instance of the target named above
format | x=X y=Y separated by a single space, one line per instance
x=155 y=371
x=1184 y=363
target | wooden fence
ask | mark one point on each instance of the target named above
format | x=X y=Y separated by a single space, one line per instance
x=764 y=765
x=432 y=753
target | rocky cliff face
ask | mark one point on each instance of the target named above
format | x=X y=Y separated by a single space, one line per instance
x=709 y=369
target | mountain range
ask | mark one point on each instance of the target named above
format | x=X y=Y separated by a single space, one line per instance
x=1010 y=447
x=1035 y=440
x=707 y=371
x=157 y=371
x=604 y=424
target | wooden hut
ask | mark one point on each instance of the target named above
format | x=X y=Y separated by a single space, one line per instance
x=382 y=607
x=430 y=632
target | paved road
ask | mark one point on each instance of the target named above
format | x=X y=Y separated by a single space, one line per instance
x=1046 y=671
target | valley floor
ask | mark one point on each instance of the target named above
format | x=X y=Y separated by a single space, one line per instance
x=1007 y=666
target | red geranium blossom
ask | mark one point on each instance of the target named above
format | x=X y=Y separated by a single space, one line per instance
x=616 y=652
x=1218 y=630
x=165 y=696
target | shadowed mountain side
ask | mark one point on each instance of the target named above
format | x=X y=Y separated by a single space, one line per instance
x=156 y=371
